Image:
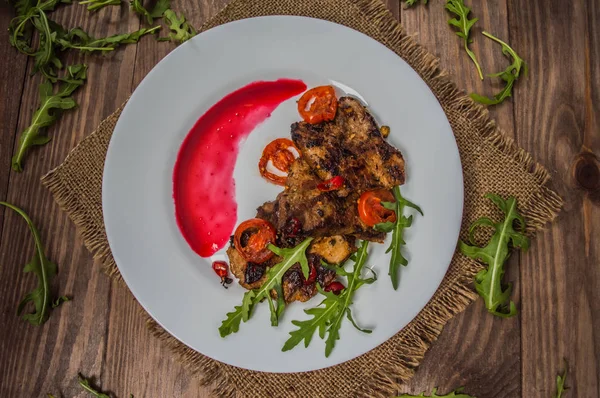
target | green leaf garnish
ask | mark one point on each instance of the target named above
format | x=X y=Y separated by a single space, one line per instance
x=560 y=382
x=410 y=3
x=159 y=8
x=509 y=75
x=454 y=394
x=87 y=387
x=495 y=253
x=181 y=31
x=327 y=317
x=94 y=5
x=464 y=25
x=273 y=282
x=78 y=39
x=49 y=110
x=45 y=270
x=397 y=229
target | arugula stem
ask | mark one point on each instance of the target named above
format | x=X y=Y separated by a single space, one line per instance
x=38 y=250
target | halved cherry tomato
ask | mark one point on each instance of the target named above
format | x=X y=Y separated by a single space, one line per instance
x=333 y=184
x=370 y=209
x=318 y=105
x=251 y=239
x=222 y=270
x=278 y=152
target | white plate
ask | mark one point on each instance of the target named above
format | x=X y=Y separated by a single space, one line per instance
x=177 y=287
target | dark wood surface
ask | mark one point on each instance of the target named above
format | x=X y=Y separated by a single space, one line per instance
x=554 y=114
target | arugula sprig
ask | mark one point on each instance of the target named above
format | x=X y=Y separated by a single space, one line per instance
x=45 y=270
x=454 y=394
x=78 y=39
x=397 y=229
x=275 y=274
x=95 y=5
x=509 y=75
x=181 y=31
x=464 y=25
x=488 y=282
x=327 y=317
x=49 y=110
x=560 y=382
x=410 y=3
x=157 y=11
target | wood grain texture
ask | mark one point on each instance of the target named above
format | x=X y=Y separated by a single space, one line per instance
x=476 y=350
x=554 y=114
x=557 y=119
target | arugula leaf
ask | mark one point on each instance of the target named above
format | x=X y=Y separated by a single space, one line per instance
x=464 y=25
x=454 y=394
x=495 y=253
x=77 y=39
x=45 y=270
x=94 y=5
x=327 y=317
x=49 y=111
x=397 y=229
x=240 y=313
x=159 y=8
x=410 y=3
x=560 y=382
x=83 y=382
x=181 y=31
x=509 y=75
x=273 y=281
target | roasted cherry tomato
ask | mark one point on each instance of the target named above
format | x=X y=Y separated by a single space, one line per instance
x=333 y=184
x=370 y=209
x=280 y=155
x=312 y=276
x=334 y=287
x=221 y=269
x=318 y=105
x=251 y=239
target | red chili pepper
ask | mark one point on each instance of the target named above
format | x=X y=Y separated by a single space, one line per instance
x=333 y=184
x=222 y=270
x=335 y=287
x=312 y=276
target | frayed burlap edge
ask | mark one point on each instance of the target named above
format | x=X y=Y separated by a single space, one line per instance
x=541 y=208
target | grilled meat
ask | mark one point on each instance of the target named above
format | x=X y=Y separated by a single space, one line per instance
x=350 y=146
x=319 y=213
x=334 y=250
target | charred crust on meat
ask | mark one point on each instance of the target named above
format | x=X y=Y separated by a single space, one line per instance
x=320 y=212
x=332 y=242
x=254 y=272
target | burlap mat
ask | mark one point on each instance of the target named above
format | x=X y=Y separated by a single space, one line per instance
x=491 y=163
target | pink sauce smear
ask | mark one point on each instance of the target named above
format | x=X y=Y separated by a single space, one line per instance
x=203 y=184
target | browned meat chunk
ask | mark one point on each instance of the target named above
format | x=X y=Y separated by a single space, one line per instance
x=350 y=146
x=333 y=249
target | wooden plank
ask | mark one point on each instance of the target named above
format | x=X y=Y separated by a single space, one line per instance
x=136 y=361
x=11 y=84
x=557 y=116
x=475 y=350
x=36 y=360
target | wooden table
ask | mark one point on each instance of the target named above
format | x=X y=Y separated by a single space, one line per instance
x=554 y=114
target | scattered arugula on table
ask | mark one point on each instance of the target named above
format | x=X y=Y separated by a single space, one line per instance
x=45 y=270
x=94 y=5
x=54 y=39
x=509 y=75
x=488 y=282
x=464 y=25
x=181 y=31
x=397 y=229
x=49 y=110
x=85 y=383
x=157 y=11
x=560 y=382
x=410 y=3
x=454 y=394
x=327 y=317
x=273 y=281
